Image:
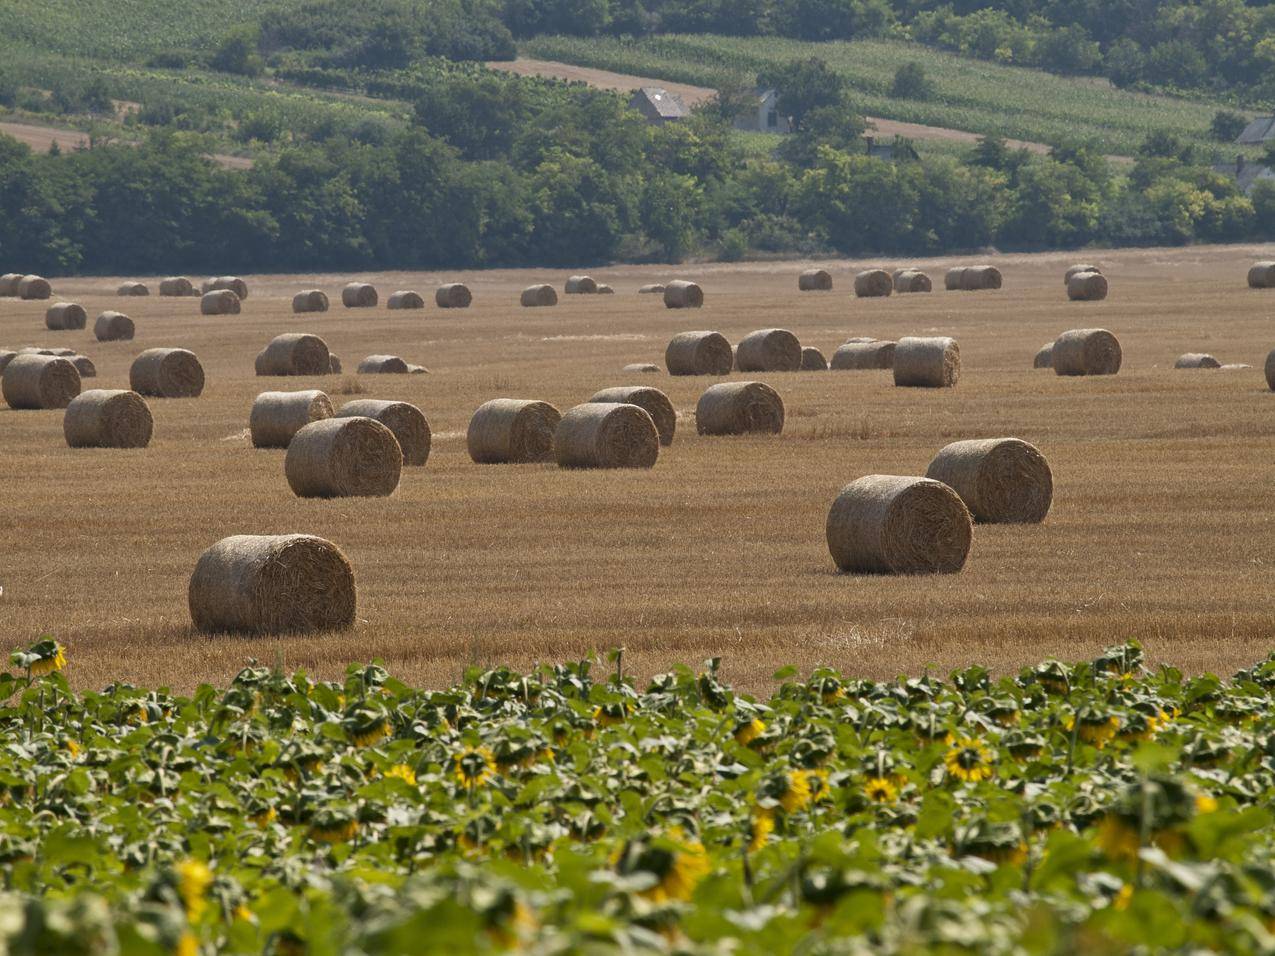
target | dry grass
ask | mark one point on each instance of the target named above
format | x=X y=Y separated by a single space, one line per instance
x=1161 y=527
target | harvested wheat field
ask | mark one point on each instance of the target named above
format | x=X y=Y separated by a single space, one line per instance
x=1162 y=526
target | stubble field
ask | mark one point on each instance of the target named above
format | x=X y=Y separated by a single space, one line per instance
x=1161 y=529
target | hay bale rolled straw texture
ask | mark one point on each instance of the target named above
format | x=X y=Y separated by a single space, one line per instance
x=768 y=350
x=40 y=381
x=861 y=356
x=580 y=285
x=225 y=284
x=453 y=295
x=512 y=431
x=343 y=458
x=295 y=353
x=873 y=284
x=9 y=285
x=812 y=360
x=1196 y=360
x=1077 y=269
x=383 y=365
x=815 y=280
x=538 y=296
x=5 y=358
x=108 y=418
x=133 y=289
x=927 y=362
x=890 y=524
x=65 y=317
x=606 y=435
x=405 y=299
x=310 y=300
x=973 y=279
x=277 y=416
x=651 y=400
x=272 y=584
x=334 y=363
x=219 y=302
x=1001 y=480
x=681 y=294
x=1045 y=357
x=359 y=295
x=1260 y=276
x=407 y=422
x=912 y=280
x=167 y=373
x=604 y=289
x=84 y=365
x=739 y=408
x=1086 y=352
x=651 y=288
x=113 y=327
x=33 y=288
x=1087 y=287
x=176 y=287
x=698 y=353
x=1268 y=369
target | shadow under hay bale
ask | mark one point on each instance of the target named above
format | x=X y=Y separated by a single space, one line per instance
x=1001 y=480
x=739 y=408
x=512 y=431
x=40 y=382
x=277 y=416
x=651 y=400
x=699 y=353
x=933 y=362
x=407 y=422
x=108 y=418
x=167 y=373
x=890 y=524
x=343 y=458
x=768 y=350
x=606 y=435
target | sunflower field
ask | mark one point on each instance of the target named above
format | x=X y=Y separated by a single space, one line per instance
x=1098 y=807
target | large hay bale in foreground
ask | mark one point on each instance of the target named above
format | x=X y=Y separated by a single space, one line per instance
x=405 y=299
x=815 y=280
x=912 y=280
x=271 y=584
x=1197 y=360
x=873 y=284
x=225 y=284
x=84 y=365
x=176 y=287
x=768 y=350
x=606 y=435
x=538 y=296
x=310 y=300
x=651 y=400
x=167 y=373
x=681 y=294
x=698 y=353
x=453 y=295
x=1045 y=357
x=133 y=289
x=343 y=458
x=812 y=360
x=1001 y=480
x=739 y=408
x=34 y=288
x=1087 y=287
x=407 y=422
x=113 y=327
x=1260 y=276
x=9 y=285
x=65 y=317
x=295 y=353
x=359 y=295
x=862 y=356
x=219 y=302
x=40 y=381
x=651 y=288
x=512 y=431
x=277 y=416
x=927 y=362
x=383 y=365
x=1086 y=352
x=580 y=285
x=1077 y=269
x=643 y=367
x=108 y=418
x=889 y=524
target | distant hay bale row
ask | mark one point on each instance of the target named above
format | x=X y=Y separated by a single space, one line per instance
x=167 y=373
x=359 y=295
x=133 y=289
x=310 y=300
x=933 y=362
x=739 y=408
x=814 y=280
x=108 y=418
x=512 y=431
x=857 y=356
x=652 y=288
x=912 y=280
x=972 y=279
x=277 y=416
x=1260 y=276
x=113 y=327
x=1001 y=480
x=1087 y=287
x=873 y=284
x=1086 y=352
x=651 y=400
x=1196 y=360
x=538 y=296
x=407 y=422
x=812 y=360
x=176 y=287
x=295 y=353
x=606 y=435
x=9 y=285
x=343 y=458
x=680 y=294
x=604 y=289
x=453 y=295
x=39 y=382
x=698 y=353
x=271 y=584
x=225 y=283
x=890 y=524
x=32 y=288
x=580 y=285
x=768 y=350
x=220 y=302
x=65 y=317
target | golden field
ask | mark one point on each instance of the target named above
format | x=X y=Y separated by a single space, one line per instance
x=1162 y=529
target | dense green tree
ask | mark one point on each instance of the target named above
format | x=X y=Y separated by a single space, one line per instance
x=803 y=86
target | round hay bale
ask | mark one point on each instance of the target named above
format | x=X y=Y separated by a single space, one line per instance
x=176 y=286
x=738 y=408
x=912 y=280
x=405 y=299
x=334 y=363
x=384 y=365
x=277 y=416
x=889 y=524
x=1196 y=360
x=535 y=296
x=34 y=287
x=36 y=350
x=680 y=294
x=295 y=353
x=604 y=289
x=133 y=289
x=108 y=418
x=453 y=295
x=812 y=360
x=113 y=327
x=642 y=367
x=84 y=365
x=927 y=362
x=1076 y=270
x=651 y=400
x=1001 y=480
x=9 y=285
x=980 y=278
x=861 y=356
x=310 y=300
x=359 y=295
x=1269 y=370
x=1087 y=287
x=5 y=358
x=606 y=435
x=580 y=285
x=512 y=430
x=219 y=302
x=698 y=353
x=861 y=339
x=768 y=350
x=167 y=373
x=343 y=458
x=271 y=584
x=407 y=422
x=815 y=280
x=1260 y=276
x=1086 y=352
x=225 y=284
x=40 y=381
x=873 y=284
x=953 y=279
x=651 y=288
x=65 y=317
x=1045 y=357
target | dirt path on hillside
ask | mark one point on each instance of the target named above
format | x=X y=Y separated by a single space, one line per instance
x=42 y=138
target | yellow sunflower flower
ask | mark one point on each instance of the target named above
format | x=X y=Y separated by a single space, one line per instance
x=687 y=865
x=53 y=658
x=796 y=794
x=334 y=831
x=1118 y=838
x=760 y=826
x=608 y=715
x=1094 y=729
x=193 y=880
x=370 y=732
x=1205 y=803
x=749 y=731
x=969 y=761
x=403 y=772
x=263 y=818
x=880 y=790
x=72 y=748
x=187 y=945
x=475 y=766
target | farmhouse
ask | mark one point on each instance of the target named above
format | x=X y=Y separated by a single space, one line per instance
x=1247 y=174
x=766 y=118
x=658 y=105
x=1259 y=131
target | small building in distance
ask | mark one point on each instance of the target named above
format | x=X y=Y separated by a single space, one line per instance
x=657 y=104
x=1246 y=172
x=766 y=118
x=1258 y=132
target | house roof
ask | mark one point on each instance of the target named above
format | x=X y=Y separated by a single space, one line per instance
x=666 y=104
x=1247 y=175
x=1258 y=131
